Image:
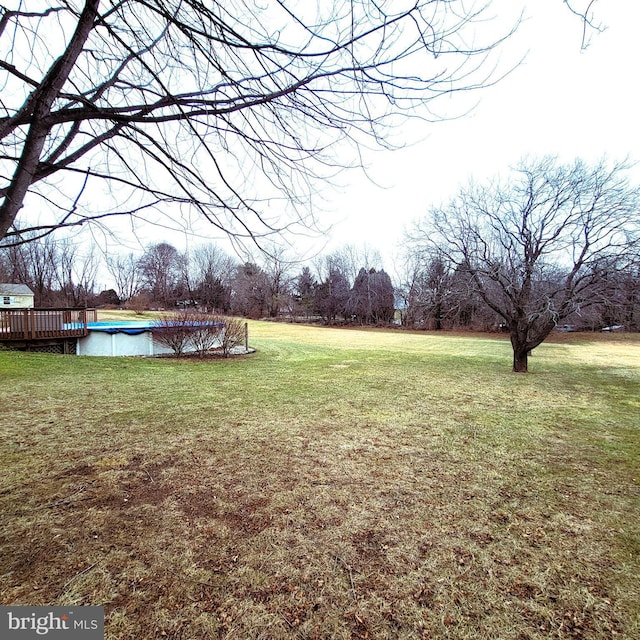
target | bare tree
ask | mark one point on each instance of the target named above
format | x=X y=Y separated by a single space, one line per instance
x=250 y=291
x=75 y=273
x=619 y=298
x=349 y=259
x=426 y=290
x=57 y=270
x=139 y=303
x=538 y=248
x=277 y=269
x=34 y=264
x=150 y=108
x=627 y=296
x=160 y=272
x=212 y=271
x=125 y=271
x=584 y=10
x=5 y=268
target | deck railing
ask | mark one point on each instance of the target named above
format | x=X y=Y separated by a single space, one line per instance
x=42 y=324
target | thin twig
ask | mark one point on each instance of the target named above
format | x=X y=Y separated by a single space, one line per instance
x=68 y=582
x=200 y=582
x=342 y=482
x=348 y=568
x=264 y=560
x=65 y=500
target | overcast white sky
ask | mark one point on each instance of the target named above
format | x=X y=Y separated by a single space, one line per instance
x=560 y=101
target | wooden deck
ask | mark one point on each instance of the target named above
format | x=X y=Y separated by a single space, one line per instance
x=25 y=325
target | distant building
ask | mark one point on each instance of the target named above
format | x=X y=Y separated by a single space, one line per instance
x=15 y=296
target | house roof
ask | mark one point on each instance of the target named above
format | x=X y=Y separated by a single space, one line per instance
x=8 y=289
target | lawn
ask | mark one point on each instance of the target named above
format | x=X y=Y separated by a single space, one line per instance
x=338 y=483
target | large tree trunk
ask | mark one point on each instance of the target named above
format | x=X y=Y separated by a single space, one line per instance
x=521 y=360
x=521 y=352
x=438 y=316
x=35 y=110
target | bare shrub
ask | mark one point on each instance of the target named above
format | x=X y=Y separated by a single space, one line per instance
x=174 y=331
x=233 y=334
x=207 y=332
x=139 y=303
x=201 y=331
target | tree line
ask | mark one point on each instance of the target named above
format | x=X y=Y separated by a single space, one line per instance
x=334 y=289
x=554 y=245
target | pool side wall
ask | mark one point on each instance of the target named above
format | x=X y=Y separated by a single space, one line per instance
x=102 y=343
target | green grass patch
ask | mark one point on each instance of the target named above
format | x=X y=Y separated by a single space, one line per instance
x=338 y=483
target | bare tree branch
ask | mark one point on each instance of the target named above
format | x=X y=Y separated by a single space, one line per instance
x=588 y=23
x=221 y=106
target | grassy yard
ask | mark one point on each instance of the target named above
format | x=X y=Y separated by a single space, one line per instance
x=335 y=484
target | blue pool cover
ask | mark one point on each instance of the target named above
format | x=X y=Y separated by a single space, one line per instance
x=129 y=327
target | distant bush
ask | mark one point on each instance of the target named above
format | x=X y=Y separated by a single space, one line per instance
x=139 y=304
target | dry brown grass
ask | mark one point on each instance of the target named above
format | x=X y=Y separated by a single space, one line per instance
x=335 y=485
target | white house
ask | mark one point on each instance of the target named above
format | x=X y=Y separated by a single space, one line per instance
x=15 y=296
